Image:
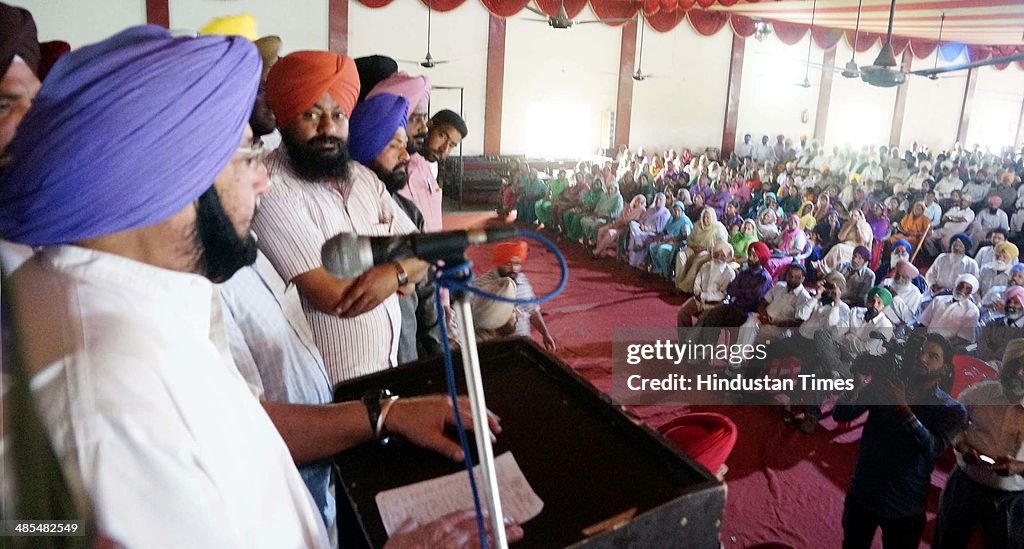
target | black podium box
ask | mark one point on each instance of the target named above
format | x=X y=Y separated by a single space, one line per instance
x=586 y=459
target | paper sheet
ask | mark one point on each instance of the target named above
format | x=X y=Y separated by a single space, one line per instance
x=432 y=499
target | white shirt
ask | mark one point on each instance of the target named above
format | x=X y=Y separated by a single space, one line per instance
x=950 y=228
x=1017 y=221
x=744 y=150
x=763 y=152
x=991 y=277
x=996 y=429
x=13 y=255
x=523 y=291
x=916 y=181
x=825 y=316
x=872 y=174
x=294 y=220
x=905 y=302
x=856 y=336
x=788 y=305
x=144 y=406
x=945 y=187
x=951 y=318
x=712 y=280
x=986 y=221
x=947 y=267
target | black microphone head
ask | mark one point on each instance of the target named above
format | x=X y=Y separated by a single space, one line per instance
x=347 y=255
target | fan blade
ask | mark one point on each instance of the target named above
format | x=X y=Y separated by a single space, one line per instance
x=535 y=19
x=535 y=10
x=436 y=62
x=974 y=65
x=418 y=61
x=608 y=21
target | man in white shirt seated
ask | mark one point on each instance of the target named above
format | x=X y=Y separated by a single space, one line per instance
x=916 y=181
x=954 y=221
x=955 y=316
x=992 y=301
x=994 y=336
x=906 y=297
x=997 y=271
x=950 y=182
x=986 y=254
x=785 y=306
x=763 y=152
x=932 y=209
x=978 y=188
x=988 y=219
x=709 y=287
x=744 y=149
x=986 y=490
x=838 y=348
x=942 y=275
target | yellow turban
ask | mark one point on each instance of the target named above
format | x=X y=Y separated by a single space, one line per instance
x=1009 y=249
x=242 y=24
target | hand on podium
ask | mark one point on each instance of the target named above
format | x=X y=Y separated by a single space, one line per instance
x=423 y=420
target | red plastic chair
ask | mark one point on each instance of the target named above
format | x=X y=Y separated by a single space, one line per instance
x=970 y=370
x=706 y=437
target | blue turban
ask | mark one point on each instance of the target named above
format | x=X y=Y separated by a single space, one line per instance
x=962 y=237
x=373 y=124
x=904 y=244
x=125 y=133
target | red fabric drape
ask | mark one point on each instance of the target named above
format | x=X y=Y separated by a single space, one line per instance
x=898 y=45
x=651 y=7
x=826 y=39
x=665 y=21
x=706 y=3
x=504 y=8
x=613 y=9
x=374 y=4
x=922 y=48
x=742 y=26
x=707 y=23
x=572 y=7
x=449 y=5
x=789 y=33
x=865 y=40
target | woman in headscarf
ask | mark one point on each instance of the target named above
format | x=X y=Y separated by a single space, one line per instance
x=696 y=208
x=627 y=185
x=608 y=235
x=822 y=208
x=793 y=242
x=720 y=198
x=771 y=202
x=768 y=227
x=746 y=236
x=913 y=226
x=828 y=231
x=571 y=198
x=644 y=229
x=574 y=217
x=878 y=220
x=856 y=232
x=705 y=235
x=666 y=244
x=657 y=166
x=896 y=212
x=607 y=209
x=790 y=200
x=807 y=219
x=646 y=186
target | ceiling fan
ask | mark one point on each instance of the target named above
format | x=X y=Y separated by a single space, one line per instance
x=428 y=62
x=882 y=74
x=639 y=75
x=561 y=19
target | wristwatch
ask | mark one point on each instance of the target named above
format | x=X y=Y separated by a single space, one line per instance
x=378 y=404
x=403 y=277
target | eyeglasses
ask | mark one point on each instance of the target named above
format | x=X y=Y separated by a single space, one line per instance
x=253 y=154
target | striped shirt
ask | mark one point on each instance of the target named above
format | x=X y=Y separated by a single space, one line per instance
x=523 y=291
x=294 y=220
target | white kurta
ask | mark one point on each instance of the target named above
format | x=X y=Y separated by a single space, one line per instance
x=134 y=380
x=951 y=318
x=712 y=280
x=947 y=267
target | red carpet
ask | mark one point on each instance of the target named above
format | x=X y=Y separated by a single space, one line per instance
x=784 y=488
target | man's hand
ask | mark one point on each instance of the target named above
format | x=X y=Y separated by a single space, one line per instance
x=456 y=529
x=549 y=343
x=893 y=391
x=369 y=290
x=422 y=421
x=1006 y=466
x=969 y=454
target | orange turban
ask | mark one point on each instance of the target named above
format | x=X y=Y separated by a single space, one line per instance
x=505 y=251
x=297 y=81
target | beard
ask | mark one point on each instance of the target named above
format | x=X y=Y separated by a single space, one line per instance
x=395 y=180
x=221 y=251
x=416 y=143
x=313 y=160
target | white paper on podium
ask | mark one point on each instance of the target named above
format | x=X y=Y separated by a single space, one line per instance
x=432 y=499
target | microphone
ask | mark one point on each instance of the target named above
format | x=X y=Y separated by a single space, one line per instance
x=349 y=255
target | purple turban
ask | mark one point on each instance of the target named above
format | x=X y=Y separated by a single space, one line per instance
x=125 y=133
x=17 y=37
x=373 y=124
x=863 y=251
x=415 y=89
x=963 y=238
x=904 y=244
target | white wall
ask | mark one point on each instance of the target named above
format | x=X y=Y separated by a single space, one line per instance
x=83 y=21
x=771 y=101
x=301 y=24
x=933 y=106
x=564 y=79
x=859 y=113
x=459 y=36
x=995 y=112
x=684 y=104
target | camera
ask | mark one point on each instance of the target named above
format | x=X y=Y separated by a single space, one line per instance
x=826 y=294
x=898 y=361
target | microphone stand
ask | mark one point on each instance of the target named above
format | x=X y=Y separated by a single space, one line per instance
x=478 y=405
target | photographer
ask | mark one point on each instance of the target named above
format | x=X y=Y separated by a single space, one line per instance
x=911 y=422
x=987 y=486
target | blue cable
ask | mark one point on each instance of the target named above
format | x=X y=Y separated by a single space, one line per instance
x=452 y=278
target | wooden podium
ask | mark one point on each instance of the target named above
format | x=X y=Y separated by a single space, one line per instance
x=586 y=459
